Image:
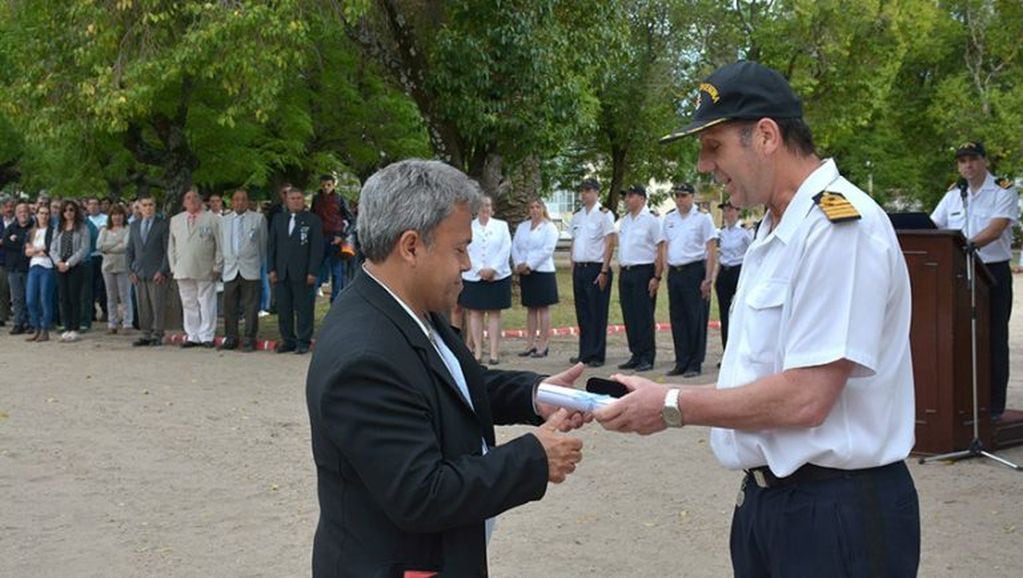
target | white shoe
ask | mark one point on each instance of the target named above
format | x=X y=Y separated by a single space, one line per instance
x=263 y=314
x=64 y=336
x=73 y=336
x=319 y=293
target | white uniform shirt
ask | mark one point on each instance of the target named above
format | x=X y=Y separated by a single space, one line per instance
x=990 y=202
x=535 y=247
x=638 y=238
x=490 y=249
x=812 y=292
x=687 y=236
x=589 y=229
x=732 y=244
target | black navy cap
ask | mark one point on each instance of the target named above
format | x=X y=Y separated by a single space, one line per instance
x=636 y=190
x=682 y=188
x=744 y=90
x=592 y=184
x=971 y=148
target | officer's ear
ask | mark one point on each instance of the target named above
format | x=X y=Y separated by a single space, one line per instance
x=767 y=136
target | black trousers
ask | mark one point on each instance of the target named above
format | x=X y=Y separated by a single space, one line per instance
x=861 y=526
x=69 y=289
x=1000 y=303
x=725 y=286
x=689 y=312
x=295 y=302
x=638 y=310
x=241 y=296
x=591 y=305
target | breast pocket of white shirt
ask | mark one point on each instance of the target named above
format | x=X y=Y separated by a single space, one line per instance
x=762 y=323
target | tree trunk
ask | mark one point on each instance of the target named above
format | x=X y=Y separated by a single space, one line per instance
x=618 y=156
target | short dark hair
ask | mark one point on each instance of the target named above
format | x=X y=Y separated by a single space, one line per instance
x=795 y=134
x=324 y=178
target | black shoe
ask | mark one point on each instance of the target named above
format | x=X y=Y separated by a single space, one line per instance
x=284 y=348
x=301 y=350
x=18 y=330
x=573 y=360
x=628 y=364
x=208 y=344
x=539 y=354
x=595 y=363
x=646 y=366
x=527 y=353
x=248 y=346
x=142 y=342
x=675 y=371
x=229 y=343
x=189 y=344
x=156 y=342
x=691 y=373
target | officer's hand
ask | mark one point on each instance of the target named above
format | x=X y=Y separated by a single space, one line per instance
x=639 y=411
x=310 y=279
x=601 y=280
x=575 y=419
x=273 y=277
x=705 y=286
x=652 y=286
x=563 y=452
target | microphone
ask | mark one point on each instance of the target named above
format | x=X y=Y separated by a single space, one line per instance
x=963 y=186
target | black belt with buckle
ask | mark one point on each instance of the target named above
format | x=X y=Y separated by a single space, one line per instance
x=631 y=267
x=686 y=266
x=763 y=477
x=588 y=264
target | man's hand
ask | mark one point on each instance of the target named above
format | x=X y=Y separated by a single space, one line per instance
x=563 y=452
x=159 y=278
x=216 y=275
x=487 y=274
x=705 y=287
x=639 y=411
x=273 y=277
x=310 y=279
x=602 y=280
x=337 y=241
x=133 y=278
x=575 y=419
x=652 y=286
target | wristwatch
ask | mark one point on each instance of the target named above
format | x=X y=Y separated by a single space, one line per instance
x=670 y=412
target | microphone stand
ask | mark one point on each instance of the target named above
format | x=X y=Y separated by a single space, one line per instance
x=976 y=447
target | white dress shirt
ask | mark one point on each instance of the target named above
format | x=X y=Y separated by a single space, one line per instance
x=988 y=202
x=812 y=292
x=589 y=230
x=535 y=246
x=732 y=244
x=687 y=236
x=490 y=249
x=638 y=238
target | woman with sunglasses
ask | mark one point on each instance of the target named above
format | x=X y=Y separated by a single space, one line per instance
x=68 y=249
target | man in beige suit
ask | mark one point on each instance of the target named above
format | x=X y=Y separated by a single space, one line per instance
x=196 y=261
x=243 y=235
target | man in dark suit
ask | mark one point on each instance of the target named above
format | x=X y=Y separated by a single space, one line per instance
x=149 y=271
x=296 y=250
x=410 y=476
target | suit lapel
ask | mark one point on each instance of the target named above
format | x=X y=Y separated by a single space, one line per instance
x=377 y=295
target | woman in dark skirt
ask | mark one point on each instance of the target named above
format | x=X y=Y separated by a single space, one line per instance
x=486 y=287
x=533 y=254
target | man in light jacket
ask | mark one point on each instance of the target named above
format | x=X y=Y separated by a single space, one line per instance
x=243 y=235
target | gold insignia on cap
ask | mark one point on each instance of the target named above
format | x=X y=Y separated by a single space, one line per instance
x=836 y=207
x=711 y=91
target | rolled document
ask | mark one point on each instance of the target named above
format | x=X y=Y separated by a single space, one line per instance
x=571 y=398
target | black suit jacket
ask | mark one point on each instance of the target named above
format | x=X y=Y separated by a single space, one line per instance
x=403 y=484
x=146 y=259
x=299 y=254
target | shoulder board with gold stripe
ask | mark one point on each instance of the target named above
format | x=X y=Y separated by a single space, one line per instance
x=836 y=207
x=1004 y=183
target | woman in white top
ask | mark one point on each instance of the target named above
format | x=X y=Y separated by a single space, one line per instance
x=533 y=255
x=41 y=284
x=113 y=245
x=486 y=286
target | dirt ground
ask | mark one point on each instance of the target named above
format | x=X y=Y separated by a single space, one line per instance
x=117 y=462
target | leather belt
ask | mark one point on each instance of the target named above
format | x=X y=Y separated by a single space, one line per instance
x=686 y=266
x=763 y=477
x=631 y=267
x=588 y=264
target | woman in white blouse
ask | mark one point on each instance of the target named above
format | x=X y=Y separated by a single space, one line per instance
x=486 y=286
x=533 y=255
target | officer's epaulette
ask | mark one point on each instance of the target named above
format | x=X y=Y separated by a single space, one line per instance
x=670 y=211
x=836 y=207
x=1004 y=182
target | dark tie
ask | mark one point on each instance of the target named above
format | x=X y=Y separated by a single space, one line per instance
x=146 y=223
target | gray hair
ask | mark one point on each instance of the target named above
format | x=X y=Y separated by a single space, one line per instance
x=411 y=195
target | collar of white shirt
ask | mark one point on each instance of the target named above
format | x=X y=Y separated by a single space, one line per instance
x=802 y=201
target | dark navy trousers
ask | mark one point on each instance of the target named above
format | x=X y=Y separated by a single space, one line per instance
x=864 y=525
x=591 y=308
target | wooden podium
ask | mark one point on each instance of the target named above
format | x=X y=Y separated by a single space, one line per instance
x=940 y=341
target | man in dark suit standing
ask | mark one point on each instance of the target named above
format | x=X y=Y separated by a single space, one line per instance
x=410 y=476
x=296 y=250
x=149 y=270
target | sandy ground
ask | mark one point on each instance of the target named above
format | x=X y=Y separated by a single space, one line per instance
x=118 y=462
